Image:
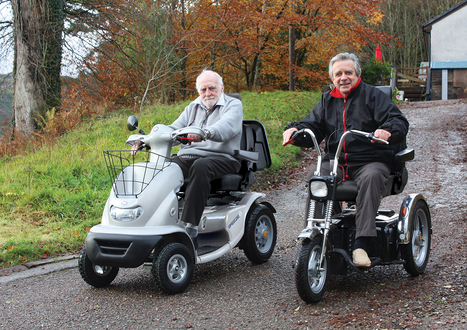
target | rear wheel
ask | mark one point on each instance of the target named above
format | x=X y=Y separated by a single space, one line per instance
x=173 y=268
x=417 y=252
x=310 y=279
x=95 y=275
x=260 y=234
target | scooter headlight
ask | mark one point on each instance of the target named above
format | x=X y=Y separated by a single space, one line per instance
x=321 y=188
x=125 y=215
x=318 y=189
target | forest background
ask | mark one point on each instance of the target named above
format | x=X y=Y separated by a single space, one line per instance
x=150 y=51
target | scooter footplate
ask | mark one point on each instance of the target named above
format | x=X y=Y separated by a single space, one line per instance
x=206 y=249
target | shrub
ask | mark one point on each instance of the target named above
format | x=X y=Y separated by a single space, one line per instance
x=376 y=73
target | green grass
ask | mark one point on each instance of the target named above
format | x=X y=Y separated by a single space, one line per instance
x=49 y=198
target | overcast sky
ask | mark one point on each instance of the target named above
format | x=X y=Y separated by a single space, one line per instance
x=6 y=57
x=6 y=64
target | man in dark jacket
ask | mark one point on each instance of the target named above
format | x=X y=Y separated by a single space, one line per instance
x=352 y=104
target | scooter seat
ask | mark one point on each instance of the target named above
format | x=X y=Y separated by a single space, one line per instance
x=346 y=191
x=229 y=182
x=254 y=155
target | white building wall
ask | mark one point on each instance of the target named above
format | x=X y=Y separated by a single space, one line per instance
x=449 y=37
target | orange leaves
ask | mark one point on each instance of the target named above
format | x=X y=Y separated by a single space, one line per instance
x=154 y=50
x=45 y=255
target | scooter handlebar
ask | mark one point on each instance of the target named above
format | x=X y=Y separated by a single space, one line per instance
x=182 y=133
x=369 y=136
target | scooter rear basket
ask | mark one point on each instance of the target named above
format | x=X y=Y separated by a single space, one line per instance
x=131 y=174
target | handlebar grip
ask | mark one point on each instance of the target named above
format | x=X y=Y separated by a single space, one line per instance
x=184 y=140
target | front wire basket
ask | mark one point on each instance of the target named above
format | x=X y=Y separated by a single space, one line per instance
x=131 y=174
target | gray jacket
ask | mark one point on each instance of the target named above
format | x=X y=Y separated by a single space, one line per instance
x=224 y=125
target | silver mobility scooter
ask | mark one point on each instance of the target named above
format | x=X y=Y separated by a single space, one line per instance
x=329 y=234
x=141 y=219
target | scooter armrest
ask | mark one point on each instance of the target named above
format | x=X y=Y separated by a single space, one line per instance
x=405 y=155
x=251 y=156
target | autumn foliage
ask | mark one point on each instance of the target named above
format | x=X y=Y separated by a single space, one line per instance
x=151 y=51
x=148 y=51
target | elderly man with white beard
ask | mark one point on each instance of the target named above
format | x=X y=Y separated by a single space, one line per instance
x=220 y=117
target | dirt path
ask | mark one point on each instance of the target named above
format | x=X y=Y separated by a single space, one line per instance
x=231 y=293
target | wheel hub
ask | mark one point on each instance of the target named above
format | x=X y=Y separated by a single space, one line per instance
x=177 y=268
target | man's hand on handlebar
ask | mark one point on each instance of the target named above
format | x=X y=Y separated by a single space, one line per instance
x=287 y=136
x=189 y=138
x=135 y=147
x=381 y=134
x=194 y=138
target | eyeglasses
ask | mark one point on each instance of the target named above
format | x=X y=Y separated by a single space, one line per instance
x=211 y=89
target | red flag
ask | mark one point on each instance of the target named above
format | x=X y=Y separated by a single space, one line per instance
x=378 y=55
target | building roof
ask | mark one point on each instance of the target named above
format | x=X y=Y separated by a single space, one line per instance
x=427 y=26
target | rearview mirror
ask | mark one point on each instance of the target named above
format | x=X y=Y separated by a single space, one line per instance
x=132 y=123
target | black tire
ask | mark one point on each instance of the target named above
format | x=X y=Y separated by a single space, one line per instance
x=310 y=282
x=173 y=268
x=95 y=275
x=417 y=252
x=260 y=234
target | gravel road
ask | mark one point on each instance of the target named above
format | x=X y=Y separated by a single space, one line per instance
x=231 y=293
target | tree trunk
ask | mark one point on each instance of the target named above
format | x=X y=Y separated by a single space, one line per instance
x=38 y=27
x=291 y=58
x=257 y=72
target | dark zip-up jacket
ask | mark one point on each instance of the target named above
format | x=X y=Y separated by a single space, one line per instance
x=366 y=108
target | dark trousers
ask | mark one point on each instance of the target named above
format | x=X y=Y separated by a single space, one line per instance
x=371 y=182
x=201 y=171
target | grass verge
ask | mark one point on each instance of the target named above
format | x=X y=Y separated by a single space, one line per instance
x=51 y=197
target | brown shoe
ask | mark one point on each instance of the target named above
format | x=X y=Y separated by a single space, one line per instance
x=360 y=258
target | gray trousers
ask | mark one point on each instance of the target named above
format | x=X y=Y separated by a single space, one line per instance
x=371 y=182
x=201 y=171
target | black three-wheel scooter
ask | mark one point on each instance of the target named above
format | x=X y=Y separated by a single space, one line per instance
x=328 y=238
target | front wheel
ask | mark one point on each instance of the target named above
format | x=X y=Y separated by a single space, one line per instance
x=95 y=275
x=173 y=268
x=260 y=234
x=417 y=252
x=310 y=279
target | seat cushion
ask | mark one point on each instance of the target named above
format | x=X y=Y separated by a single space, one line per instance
x=346 y=191
x=229 y=182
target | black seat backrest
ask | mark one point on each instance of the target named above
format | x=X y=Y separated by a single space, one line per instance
x=254 y=144
x=386 y=90
x=254 y=138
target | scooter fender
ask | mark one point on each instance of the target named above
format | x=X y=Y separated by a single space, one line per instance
x=310 y=233
x=158 y=201
x=404 y=226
